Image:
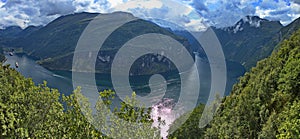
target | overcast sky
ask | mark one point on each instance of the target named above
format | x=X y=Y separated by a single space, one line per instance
x=192 y=13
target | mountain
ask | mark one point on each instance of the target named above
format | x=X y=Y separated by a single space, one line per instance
x=27 y=31
x=285 y=33
x=288 y=30
x=265 y=103
x=10 y=34
x=274 y=43
x=252 y=39
x=248 y=41
x=11 y=31
x=54 y=44
x=245 y=41
x=54 y=38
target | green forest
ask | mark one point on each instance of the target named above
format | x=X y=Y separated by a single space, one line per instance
x=30 y=111
x=265 y=103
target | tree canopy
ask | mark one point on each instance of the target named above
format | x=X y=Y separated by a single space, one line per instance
x=265 y=103
x=30 y=111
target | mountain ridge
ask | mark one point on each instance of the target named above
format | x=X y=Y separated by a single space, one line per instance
x=53 y=45
x=248 y=41
x=265 y=103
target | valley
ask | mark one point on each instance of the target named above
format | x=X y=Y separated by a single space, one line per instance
x=262 y=79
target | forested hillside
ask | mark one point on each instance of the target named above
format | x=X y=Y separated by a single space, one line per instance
x=2 y=57
x=266 y=101
x=264 y=104
x=29 y=111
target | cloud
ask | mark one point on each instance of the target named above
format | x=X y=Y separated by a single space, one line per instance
x=31 y=12
x=171 y=11
x=220 y=13
x=223 y=13
x=54 y=7
x=296 y=1
x=279 y=11
x=199 y=6
x=94 y=6
x=226 y=13
x=270 y=4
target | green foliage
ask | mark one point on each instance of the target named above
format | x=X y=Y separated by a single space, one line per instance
x=127 y=121
x=29 y=111
x=265 y=103
x=190 y=128
x=290 y=121
x=2 y=57
x=76 y=122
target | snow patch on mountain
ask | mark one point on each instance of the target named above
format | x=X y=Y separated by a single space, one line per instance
x=254 y=21
x=248 y=21
x=238 y=27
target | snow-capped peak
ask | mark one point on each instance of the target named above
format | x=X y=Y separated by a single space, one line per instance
x=254 y=21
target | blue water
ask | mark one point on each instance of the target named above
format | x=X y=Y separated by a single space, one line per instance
x=62 y=80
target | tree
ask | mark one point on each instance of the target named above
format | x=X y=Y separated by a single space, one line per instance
x=128 y=121
x=264 y=104
x=29 y=111
x=289 y=122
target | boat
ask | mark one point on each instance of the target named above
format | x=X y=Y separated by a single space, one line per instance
x=17 y=65
x=11 y=53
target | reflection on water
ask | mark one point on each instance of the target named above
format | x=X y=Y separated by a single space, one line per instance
x=62 y=80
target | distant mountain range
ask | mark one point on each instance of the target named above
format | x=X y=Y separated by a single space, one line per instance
x=251 y=39
x=54 y=44
x=248 y=41
x=14 y=32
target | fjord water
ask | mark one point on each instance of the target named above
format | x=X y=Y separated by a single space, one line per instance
x=29 y=69
x=62 y=80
